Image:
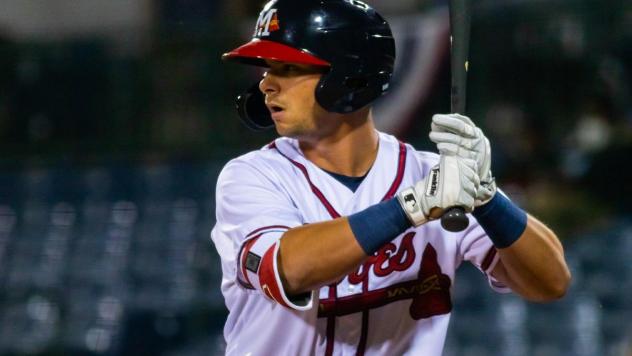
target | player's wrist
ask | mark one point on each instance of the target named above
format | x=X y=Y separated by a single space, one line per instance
x=503 y=221
x=452 y=182
x=378 y=224
x=410 y=203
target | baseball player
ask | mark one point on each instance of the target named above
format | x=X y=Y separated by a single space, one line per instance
x=328 y=236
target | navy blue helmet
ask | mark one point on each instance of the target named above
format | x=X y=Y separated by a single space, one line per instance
x=347 y=37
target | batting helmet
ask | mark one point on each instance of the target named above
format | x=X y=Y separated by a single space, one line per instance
x=347 y=36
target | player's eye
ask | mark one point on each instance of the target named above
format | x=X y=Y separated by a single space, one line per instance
x=286 y=70
x=291 y=68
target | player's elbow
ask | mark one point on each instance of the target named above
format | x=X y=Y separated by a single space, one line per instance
x=292 y=283
x=554 y=290
x=302 y=278
x=295 y=279
x=560 y=287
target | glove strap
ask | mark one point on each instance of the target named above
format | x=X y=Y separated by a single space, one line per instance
x=411 y=204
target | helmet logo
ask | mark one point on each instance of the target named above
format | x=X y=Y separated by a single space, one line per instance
x=267 y=22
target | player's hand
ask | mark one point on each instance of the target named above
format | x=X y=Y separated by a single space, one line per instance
x=456 y=134
x=453 y=182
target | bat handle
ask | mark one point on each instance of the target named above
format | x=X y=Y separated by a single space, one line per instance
x=454 y=219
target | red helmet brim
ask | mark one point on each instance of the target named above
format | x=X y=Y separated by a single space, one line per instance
x=257 y=50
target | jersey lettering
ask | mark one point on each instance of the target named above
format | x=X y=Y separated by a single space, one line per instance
x=387 y=260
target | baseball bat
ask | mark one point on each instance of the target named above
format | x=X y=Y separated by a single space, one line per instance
x=454 y=218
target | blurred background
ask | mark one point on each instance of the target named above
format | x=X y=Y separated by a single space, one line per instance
x=116 y=117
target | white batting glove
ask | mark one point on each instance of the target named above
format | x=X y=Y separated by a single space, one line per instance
x=453 y=182
x=456 y=134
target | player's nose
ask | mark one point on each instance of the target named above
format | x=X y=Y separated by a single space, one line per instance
x=269 y=84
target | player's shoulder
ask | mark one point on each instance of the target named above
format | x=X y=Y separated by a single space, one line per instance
x=416 y=160
x=423 y=160
x=260 y=163
x=421 y=156
x=425 y=157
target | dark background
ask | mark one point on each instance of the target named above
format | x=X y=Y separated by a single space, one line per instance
x=115 y=118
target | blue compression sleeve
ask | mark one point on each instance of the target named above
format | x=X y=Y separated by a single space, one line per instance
x=503 y=221
x=378 y=224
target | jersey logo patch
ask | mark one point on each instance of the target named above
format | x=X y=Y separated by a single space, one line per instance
x=252 y=262
x=433 y=294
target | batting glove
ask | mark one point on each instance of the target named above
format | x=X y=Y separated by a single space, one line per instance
x=457 y=135
x=453 y=182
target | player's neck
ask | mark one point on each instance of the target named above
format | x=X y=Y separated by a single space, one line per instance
x=349 y=150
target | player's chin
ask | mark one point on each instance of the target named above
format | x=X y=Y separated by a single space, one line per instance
x=284 y=130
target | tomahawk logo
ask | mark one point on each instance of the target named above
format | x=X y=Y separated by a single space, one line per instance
x=267 y=22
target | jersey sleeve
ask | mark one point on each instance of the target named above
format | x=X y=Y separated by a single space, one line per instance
x=476 y=247
x=252 y=214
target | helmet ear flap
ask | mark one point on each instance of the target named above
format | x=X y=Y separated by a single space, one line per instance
x=340 y=93
x=252 y=109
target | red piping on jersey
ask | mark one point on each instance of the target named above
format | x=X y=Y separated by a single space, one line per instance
x=373 y=299
x=487 y=261
x=380 y=297
x=244 y=284
x=364 y=330
x=330 y=209
x=331 y=321
x=430 y=293
x=489 y=258
x=401 y=166
x=399 y=176
x=266 y=228
x=364 y=333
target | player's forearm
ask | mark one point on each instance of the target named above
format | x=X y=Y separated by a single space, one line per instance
x=314 y=255
x=534 y=265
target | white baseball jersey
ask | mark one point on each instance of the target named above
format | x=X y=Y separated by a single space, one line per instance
x=396 y=303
